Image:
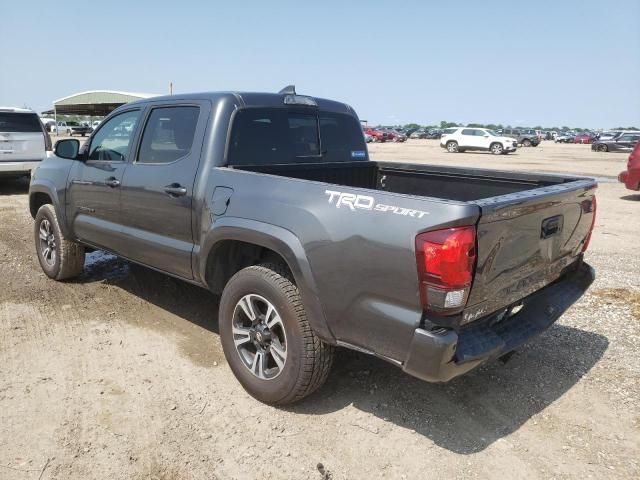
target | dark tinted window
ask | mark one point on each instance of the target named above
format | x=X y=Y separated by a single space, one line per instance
x=341 y=138
x=449 y=131
x=19 y=122
x=468 y=131
x=168 y=134
x=263 y=136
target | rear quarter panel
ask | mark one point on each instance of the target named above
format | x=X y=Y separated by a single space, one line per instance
x=362 y=260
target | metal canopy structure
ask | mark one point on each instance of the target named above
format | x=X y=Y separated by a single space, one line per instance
x=95 y=103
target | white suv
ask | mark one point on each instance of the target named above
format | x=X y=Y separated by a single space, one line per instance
x=23 y=141
x=464 y=138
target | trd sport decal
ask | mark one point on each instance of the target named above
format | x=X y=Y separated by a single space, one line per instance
x=365 y=202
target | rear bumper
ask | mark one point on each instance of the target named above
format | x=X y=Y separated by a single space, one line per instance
x=18 y=167
x=439 y=357
x=630 y=178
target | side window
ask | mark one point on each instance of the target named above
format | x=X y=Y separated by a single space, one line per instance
x=480 y=133
x=111 y=142
x=467 y=131
x=168 y=134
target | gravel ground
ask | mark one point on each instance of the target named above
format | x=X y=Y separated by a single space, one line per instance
x=120 y=374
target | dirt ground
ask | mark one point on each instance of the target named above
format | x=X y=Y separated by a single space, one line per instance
x=120 y=374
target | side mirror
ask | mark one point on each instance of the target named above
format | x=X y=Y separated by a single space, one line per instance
x=486 y=136
x=67 y=148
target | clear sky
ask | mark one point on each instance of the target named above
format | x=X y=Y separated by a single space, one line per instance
x=553 y=63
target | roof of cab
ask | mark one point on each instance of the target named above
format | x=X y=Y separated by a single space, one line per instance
x=249 y=99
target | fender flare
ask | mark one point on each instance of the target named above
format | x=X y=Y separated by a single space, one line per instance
x=47 y=187
x=284 y=243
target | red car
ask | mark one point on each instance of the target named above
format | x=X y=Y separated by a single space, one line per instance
x=631 y=176
x=584 y=138
x=378 y=135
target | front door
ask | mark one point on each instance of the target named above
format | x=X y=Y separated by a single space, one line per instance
x=157 y=188
x=93 y=198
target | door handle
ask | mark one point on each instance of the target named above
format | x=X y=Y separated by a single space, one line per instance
x=112 y=182
x=175 y=190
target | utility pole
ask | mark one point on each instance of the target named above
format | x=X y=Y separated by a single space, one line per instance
x=170 y=88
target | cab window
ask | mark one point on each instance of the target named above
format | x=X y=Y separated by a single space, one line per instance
x=168 y=134
x=112 y=141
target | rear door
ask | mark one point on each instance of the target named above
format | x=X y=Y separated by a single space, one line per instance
x=157 y=188
x=525 y=240
x=21 y=137
x=469 y=139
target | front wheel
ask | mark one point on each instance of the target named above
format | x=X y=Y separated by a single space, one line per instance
x=452 y=147
x=602 y=148
x=267 y=339
x=526 y=142
x=496 y=148
x=59 y=258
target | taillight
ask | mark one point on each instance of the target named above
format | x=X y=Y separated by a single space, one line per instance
x=446 y=259
x=592 y=209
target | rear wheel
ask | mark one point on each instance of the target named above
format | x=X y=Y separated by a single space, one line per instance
x=496 y=148
x=526 y=142
x=452 y=147
x=59 y=258
x=267 y=339
x=602 y=148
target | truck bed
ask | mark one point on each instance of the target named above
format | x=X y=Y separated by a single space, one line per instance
x=466 y=185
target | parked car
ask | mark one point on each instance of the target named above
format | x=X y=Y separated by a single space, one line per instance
x=23 y=141
x=419 y=134
x=631 y=176
x=623 y=142
x=584 y=137
x=564 y=137
x=398 y=137
x=462 y=139
x=526 y=138
x=95 y=124
x=76 y=128
x=285 y=222
x=608 y=135
x=378 y=135
x=434 y=134
x=61 y=128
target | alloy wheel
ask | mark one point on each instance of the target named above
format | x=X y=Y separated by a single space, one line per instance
x=47 y=242
x=259 y=336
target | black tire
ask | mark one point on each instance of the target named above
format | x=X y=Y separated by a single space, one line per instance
x=452 y=146
x=603 y=148
x=67 y=259
x=526 y=142
x=308 y=359
x=496 y=148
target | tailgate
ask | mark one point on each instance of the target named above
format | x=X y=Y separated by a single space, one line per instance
x=17 y=146
x=525 y=240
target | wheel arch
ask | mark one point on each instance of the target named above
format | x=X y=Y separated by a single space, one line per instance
x=42 y=192
x=236 y=243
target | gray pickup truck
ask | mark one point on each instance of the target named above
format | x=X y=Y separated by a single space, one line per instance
x=271 y=201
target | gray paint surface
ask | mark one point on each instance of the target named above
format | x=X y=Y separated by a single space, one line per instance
x=356 y=269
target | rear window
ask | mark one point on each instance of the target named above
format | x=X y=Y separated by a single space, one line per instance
x=449 y=131
x=267 y=136
x=19 y=122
